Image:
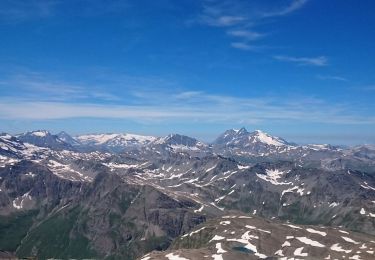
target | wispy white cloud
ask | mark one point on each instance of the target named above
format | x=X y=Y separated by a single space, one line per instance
x=293 y=6
x=189 y=106
x=223 y=21
x=15 y=11
x=36 y=85
x=245 y=46
x=35 y=96
x=21 y=10
x=313 y=61
x=331 y=77
x=220 y=14
x=241 y=18
x=246 y=34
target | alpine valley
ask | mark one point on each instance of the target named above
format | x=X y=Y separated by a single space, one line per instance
x=247 y=195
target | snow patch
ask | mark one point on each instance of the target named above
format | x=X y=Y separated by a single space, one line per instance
x=348 y=239
x=194 y=232
x=366 y=186
x=18 y=203
x=298 y=252
x=316 y=232
x=338 y=248
x=210 y=169
x=30 y=174
x=220 y=250
x=216 y=238
x=267 y=139
x=241 y=167
x=40 y=133
x=292 y=226
x=255 y=228
x=310 y=242
x=199 y=210
x=334 y=204
x=273 y=177
x=295 y=188
x=172 y=256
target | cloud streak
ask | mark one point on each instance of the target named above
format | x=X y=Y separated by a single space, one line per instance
x=330 y=77
x=312 y=61
x=190 y=106
x=246 y=34
x=21 y=10
x=244 y=46
x=240 y=18
x=38 y=86
x=294 y=6
x=16 y=11
x=33 y=96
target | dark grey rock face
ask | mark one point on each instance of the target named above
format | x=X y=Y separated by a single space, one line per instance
x=67 y=138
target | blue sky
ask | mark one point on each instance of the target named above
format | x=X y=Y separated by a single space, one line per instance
x=300 y=69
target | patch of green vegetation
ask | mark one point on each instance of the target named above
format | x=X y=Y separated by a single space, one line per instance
x=352 y=222
x=125 y=202
x=136 y=248
x=300 y=214
x=129 y=225
x=196 y=241
x=245 y=204
x=53 y=238
x=14 y=228
x=114 y=219
x=293 y=213
x=156 y=243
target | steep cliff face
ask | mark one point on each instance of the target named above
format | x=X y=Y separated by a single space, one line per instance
x=108 y=217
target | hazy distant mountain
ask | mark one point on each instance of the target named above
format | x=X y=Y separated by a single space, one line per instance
x=115 y=142
x=67 y=138
x=244 y=138
x=43 y=138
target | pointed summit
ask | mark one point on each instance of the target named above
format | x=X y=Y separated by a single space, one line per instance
x=180 y=141
x=243 y=138
x=242 y=131
x=67 y=138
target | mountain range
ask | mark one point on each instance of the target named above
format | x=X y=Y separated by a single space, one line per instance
x=247 y=195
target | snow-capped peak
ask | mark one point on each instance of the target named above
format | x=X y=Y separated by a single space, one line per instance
x=265 y=138
x=247 y=139
x=40 y=133
x=114 y=139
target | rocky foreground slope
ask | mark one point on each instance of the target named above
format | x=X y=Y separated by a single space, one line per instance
x=249 y=237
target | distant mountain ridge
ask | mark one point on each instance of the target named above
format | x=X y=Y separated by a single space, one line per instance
x=232 y=142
